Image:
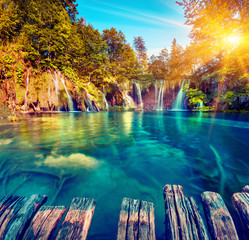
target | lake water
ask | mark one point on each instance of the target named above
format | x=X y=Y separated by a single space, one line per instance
x=108 y=156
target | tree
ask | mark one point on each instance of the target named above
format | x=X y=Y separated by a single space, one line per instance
x=158 y=65
x=220 y=30
x=140 y=51
x=122 y=60
x=10 y=20
x=45 y=32
x=175 y=63
x=87 y=50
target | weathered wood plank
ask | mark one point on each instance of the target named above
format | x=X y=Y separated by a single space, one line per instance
x=9 y=213
x=146 y=221
x=123 y=219
x=136 y=220
x=171 y=221
x=132 y=226
x=196 y=219
x=78 y=219
x=45 y=222
x=241 y=203
x=17 y=225
x=246 y=189
x=220 y=222
x=183 y=214
x=151 y=211
x=5 y=202
x=192 y=226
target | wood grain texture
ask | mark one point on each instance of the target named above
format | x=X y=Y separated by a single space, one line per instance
x=123 y=219
x=78 y=219
x=171 y=221
x=146 y=221
x=17 y=225
x=132 y=226
x=219 y=220
x=5 y=202
x=182 y=213
x=9 y=214
x=197 y=220
x=241 y=203
x=246 y=189
x=45 y=223
x=182 y=217
x=136 y=220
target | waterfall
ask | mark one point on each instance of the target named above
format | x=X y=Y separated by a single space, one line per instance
x=140 y=100
x=173 y=86
x=200 y=105
x=160 y=97
x=179 y=101
x=156 y=98
x=106 y=103
x=69 y=99
x=129 y=102
x=27 y=88
x=49 y=95
x=56 y=86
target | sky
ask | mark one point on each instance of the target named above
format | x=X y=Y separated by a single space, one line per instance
x=158 y=22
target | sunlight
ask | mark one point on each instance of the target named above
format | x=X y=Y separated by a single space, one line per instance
x=232 y=40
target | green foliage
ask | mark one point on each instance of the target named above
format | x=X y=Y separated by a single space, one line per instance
x=69 y=73
x=194 y=95
x=204 y=109
x=19 y=74
x=158 y=65
x=117 y=109
x=229 y=97
x=122 y=59
x=141 y=53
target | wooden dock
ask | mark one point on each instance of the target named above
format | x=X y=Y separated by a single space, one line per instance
x=28 y=218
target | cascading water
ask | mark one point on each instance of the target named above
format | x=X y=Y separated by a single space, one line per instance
x=106 y=103
x=156 y=97
x=56 y=87
x=69 y=99
x=140 y=100
x=200 y=105
x=129 y=102
x=160 y=97
x=49 y=96
x=179 y=101
x=173 y=86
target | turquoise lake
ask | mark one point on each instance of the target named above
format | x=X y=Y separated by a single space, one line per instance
x=108 y=156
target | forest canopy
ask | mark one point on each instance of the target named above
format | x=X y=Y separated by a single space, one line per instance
x=40 y=39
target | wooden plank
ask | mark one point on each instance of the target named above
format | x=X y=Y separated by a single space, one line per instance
x=198 y=227
x=241 y=203
x=136 y=220
x=151 y=210
x=78 y=219
x=9 y=213
x=192 y=226
x=132 y=226
x=17 y=225
x=183 y=214
x=246 y=189
x=5 y=202
x=171 y=221
x=45 y=223
x=146 y=221
x=219 y=220
x=123 y=219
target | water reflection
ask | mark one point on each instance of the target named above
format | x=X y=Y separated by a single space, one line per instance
x=109 y=156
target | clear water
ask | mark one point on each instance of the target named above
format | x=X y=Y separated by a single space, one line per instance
x=108 y=156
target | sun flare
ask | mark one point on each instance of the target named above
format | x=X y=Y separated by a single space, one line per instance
x=232 y=40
